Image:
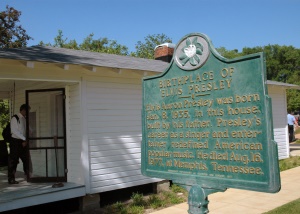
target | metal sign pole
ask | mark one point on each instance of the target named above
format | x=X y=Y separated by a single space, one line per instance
x=198 y=199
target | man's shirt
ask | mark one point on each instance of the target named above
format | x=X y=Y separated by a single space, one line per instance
x=290 y=119
x=18 y=129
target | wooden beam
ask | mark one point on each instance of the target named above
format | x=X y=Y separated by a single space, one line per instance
x=90 y=68
x=29 y=64
x=63 y=66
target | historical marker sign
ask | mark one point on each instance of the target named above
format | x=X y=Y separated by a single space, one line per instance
x=207 y=120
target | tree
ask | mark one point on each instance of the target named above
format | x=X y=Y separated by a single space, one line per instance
x=4 y=113
x=228 y=54
x=101 y=45
x=12 y=35
x=293 y=100
x=282 y=64
x=146 y=49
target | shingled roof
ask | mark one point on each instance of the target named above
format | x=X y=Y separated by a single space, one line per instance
x=286 y=85
x=79 y=57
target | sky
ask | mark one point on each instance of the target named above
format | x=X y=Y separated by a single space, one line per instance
x=233 y=24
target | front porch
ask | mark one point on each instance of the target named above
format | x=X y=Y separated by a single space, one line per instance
x=30 y=194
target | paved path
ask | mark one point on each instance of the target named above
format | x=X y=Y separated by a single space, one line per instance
x=235 y=201
x=295 y=147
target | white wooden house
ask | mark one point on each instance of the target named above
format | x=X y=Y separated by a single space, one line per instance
x=277 y=91
x=89 y=104
x=85 y=118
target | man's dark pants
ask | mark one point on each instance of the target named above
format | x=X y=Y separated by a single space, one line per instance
x=17 y=151
x=291 y=133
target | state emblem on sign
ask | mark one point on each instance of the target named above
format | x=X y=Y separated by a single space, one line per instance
x=191 y=52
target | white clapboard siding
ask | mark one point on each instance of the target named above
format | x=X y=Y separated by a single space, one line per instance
x=96 y=165
x=133 y=182
x=109 y=176
x=279 y=111
x=109 y=154
x=125 y=179
x=74 y=135
x=115 y=146
x=118 y=169
x=121 y=123
x=114 y=133
x=107 y=118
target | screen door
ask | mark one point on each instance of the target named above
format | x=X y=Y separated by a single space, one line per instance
x=46 y=131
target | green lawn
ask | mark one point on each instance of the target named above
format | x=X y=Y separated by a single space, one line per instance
x=289 y=208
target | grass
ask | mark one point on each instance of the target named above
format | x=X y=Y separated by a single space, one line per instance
x=140 y=204
x=289 y=163
x=290 y=208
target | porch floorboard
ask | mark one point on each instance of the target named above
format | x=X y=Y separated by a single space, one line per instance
x=27 y=194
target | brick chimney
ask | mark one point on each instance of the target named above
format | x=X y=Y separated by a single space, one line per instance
x=164 y=52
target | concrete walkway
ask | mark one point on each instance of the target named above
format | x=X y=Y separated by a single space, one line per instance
x=235 y=201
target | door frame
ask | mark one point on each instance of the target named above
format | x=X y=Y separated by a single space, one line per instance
x=64 y=138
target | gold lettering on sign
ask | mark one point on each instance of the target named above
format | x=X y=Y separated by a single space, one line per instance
x=238 y=146
x=190 y=144
x=236 y=169
x=190 y=165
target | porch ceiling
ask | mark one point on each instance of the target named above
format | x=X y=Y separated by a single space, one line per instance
x=7 y=85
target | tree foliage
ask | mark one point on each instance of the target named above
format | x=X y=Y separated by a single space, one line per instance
x=282 y=64
x=101 y=45
x=12 y=35
x=146 y=48
x=293 y=100
x=4 y=113
x=229 y=54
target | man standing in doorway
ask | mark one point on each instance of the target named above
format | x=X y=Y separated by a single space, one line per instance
x=18 y=144
x=291 y=121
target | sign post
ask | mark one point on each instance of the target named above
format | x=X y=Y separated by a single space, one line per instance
x=207 y=123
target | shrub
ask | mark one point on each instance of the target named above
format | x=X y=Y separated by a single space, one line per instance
x=117 y=207
x=138 y=199
x=177 y=189
x=155 y=202
x=135 y=210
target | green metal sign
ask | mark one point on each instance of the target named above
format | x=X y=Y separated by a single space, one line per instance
x=207 y=121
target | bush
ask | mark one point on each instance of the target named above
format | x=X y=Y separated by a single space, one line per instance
x=155 y=202
x=177 y=189
x=138 y=199
x=135 y=210
x=139 y=203
x=118 y=207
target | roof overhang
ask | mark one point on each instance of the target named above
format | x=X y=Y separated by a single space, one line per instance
x=282 y=84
